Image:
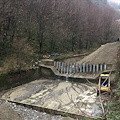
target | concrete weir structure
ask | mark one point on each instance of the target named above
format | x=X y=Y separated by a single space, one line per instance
x=57 y=97
x=68 y=98
x=70 y=68
x=73 y=95
x=76 y=70
x=74 y=99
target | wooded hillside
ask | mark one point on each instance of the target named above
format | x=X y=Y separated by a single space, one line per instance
x=46 y=26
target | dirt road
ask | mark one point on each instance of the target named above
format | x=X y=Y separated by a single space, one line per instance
x=105 y=54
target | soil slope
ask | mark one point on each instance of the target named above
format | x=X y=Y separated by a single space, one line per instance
x=105 y=54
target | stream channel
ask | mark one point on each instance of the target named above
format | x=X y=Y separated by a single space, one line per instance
x=64 y=95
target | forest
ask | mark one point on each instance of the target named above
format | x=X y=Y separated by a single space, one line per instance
x=29 y=29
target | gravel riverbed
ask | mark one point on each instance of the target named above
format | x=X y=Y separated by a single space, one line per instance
x=23 y=113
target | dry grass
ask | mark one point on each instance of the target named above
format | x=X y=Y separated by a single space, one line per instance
x=19 y=59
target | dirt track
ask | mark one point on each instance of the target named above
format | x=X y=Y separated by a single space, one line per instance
x=105 y=54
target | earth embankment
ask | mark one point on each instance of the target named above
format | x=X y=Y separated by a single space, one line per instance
x=106 y=54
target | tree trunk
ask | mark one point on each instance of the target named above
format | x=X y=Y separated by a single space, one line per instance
x=87 y=42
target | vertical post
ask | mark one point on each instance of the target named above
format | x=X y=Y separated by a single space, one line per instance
x=97 y=68
x=93 y=68
x=74 y=68
x=105 y=67
x=90 y=68
x=64 y=68
x=87 y=68
x=77 y=68
x=70 y=68
x=101 y=67
x=54 y=63
x=80 y=67
x=59 y=66
x=83 y=67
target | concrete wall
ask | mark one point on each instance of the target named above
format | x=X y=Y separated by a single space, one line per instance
x=70 y=68
x=46 y=72
x=10 y=80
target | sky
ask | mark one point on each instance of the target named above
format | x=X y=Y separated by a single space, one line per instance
x=117 y=1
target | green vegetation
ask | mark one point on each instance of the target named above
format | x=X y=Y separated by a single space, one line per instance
x=114 y=105
x=3 y=80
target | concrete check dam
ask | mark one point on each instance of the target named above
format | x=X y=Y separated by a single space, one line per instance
x=56 y=96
